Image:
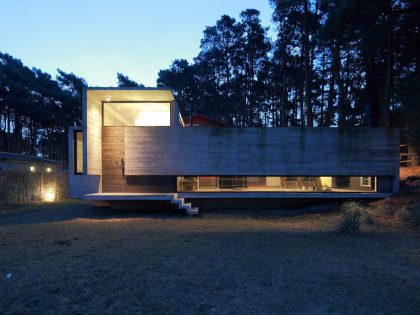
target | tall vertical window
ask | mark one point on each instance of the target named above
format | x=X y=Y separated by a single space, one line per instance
x=78 y=152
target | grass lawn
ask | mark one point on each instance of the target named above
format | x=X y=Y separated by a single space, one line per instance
x=71 y=258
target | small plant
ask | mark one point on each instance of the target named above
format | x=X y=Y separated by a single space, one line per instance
x=399 y=206
x=415 y=219
x=369 y=217
x=350 y=222
x=411 y=216
x=385 y=209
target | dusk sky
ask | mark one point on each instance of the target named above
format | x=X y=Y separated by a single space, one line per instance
x=96 y=39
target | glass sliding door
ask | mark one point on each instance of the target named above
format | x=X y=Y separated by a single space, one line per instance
x=278 y=183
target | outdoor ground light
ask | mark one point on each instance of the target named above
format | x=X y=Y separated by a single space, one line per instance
x=48 y=169
x=49 y=196
x=32 y=169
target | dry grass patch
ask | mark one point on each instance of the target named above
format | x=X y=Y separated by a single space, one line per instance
x=75 y=259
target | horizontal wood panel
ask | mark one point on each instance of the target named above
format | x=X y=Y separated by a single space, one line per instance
x=261 y=151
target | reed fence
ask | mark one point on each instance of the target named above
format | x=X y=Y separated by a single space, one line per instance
x=19 y=187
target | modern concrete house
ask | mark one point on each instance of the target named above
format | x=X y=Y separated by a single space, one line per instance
x=134 y=147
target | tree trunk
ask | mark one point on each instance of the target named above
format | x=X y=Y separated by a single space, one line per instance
x=389 y=78
x=307 y=67
x=341 y=106
x=372 y=101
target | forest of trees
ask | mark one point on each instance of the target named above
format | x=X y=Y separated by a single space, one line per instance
x=333 y=63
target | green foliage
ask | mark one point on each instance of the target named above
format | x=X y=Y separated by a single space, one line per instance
x=35 y=109
x=384 y=209
x=227 y=79
x=332 y=63
x=409 y=95
x=411 y=215
x=125 y=81
x=351 y=219
x=369 y=217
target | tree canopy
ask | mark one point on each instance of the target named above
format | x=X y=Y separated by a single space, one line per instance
x=332 y=63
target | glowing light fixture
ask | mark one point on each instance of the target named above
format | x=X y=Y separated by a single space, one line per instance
x=32 y=169
x=49 y=196
x=49 y=170
x=107 y=98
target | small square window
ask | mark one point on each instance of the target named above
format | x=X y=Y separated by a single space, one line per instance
x=365 y=181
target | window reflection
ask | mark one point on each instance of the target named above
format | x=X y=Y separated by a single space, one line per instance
x=277 y=183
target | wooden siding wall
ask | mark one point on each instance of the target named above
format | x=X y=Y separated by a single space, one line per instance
x=112 y=179
x=261 y=151
x=112 y=153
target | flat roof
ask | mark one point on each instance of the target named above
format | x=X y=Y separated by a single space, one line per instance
x=26 y=157
x=130 y=94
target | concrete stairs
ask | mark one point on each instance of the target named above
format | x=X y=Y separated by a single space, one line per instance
x=172 y=198
x=182 y=205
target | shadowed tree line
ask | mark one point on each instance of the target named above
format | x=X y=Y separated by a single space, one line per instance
x=35 y=109
x=333 y=63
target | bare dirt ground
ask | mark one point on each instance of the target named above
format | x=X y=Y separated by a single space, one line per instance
x=71 y=258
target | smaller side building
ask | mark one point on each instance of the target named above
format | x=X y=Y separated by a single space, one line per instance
x=201 y=120
x=27 y=163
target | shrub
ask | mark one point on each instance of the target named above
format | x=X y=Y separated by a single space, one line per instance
x=399 y=206
x=411 y=216
x=415 y=219
x=350 y=222
x=369 y=217
x=384 y=209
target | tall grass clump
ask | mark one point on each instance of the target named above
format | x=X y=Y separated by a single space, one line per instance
x=351 y=219
x=411 y=216
x=385 y=209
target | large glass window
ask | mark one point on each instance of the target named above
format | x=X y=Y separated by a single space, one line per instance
x=277 y=183
x=137 y=114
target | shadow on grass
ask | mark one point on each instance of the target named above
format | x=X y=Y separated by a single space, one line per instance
x=72 y=211
x=76 y=209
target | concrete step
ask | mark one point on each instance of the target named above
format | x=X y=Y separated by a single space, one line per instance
x=193 y=211
x=182 y=205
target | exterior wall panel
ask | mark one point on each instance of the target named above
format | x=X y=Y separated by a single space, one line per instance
x=262 y=151
x=92 y=136
x=80 y=185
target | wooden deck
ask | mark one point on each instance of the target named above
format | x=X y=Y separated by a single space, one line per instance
x=234 y=195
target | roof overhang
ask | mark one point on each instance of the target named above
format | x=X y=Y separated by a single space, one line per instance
x=104 y=94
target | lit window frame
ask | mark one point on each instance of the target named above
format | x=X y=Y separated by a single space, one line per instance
x=362 y=178
x=75 y=132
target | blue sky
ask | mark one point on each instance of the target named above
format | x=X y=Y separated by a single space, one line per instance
x=96 y=39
